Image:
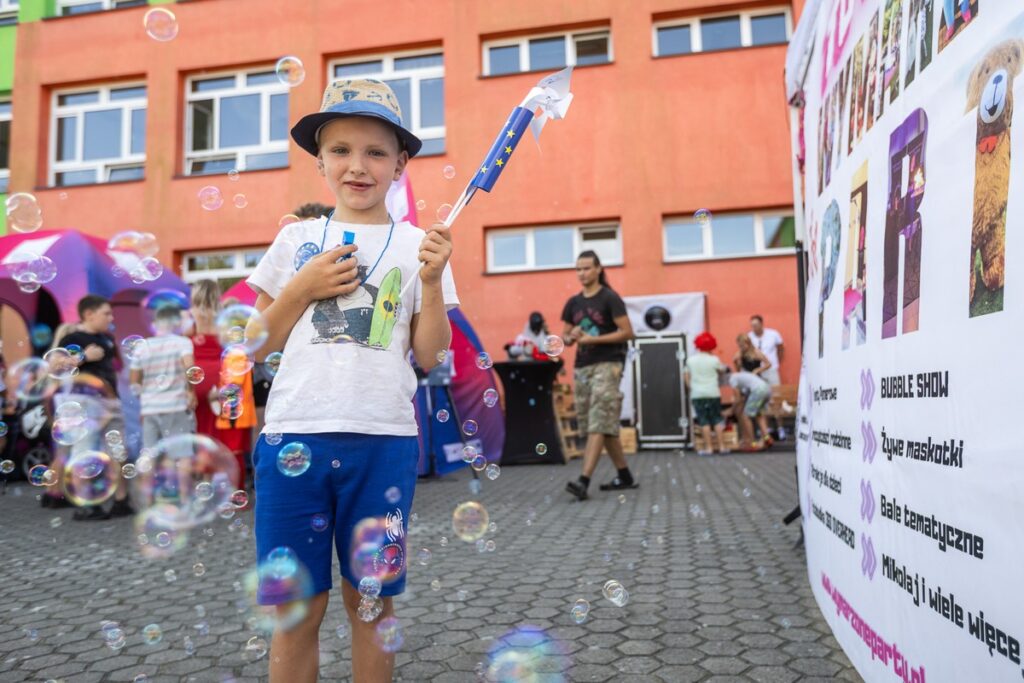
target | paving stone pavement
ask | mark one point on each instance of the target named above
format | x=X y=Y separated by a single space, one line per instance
x=716 y=590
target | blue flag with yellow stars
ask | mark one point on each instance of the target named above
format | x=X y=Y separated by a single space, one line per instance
x=501 y=150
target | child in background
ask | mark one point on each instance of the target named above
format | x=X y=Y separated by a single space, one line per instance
x=167 y=401
x=703 y=370
x=755 y=393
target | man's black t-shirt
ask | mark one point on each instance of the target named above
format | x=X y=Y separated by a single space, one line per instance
x=596 y=315
x=103 y=368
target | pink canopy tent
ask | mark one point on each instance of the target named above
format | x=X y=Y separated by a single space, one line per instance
x=401 y=206
x=83 y=267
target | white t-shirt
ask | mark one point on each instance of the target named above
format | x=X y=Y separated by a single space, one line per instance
x=163 y=375
x=768 y=344
x=345 y=365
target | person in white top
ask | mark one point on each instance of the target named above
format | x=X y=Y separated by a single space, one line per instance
x=769 y=342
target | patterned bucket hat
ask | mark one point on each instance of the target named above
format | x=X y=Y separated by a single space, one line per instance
x=355 y=97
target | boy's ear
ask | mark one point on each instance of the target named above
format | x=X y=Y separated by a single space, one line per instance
x=403 y=159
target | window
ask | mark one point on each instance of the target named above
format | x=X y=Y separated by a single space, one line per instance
x=729 y=235
x=98 y=135
x=68 y=7
x=546 y=53
x=5 y=145
x=235 y=121
x=516 y=249
x=226 y=267
x=8 y=12
x=418 y=81
x=721 y=32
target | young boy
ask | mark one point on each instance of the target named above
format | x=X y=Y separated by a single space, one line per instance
x=344 y=388
x=703 y=370
x=167 y=400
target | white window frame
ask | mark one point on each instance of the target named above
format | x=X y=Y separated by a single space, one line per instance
x=746 y=33
x=416 y=75
x=531 y=259
x=240 y=270
x=524 y=48
x=5 y=173
x=107 y=4
x=8 y=10
x=103 y=167
x=238 y=154
x=708 y=240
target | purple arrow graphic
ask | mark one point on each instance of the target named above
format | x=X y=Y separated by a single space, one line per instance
x=868 y=563
x=870 y=442
x=867 y=389
x=867 y=501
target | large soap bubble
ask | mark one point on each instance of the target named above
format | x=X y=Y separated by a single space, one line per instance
x=279 y=590
x=241 y=324
x=190 y=476
x=90 y=478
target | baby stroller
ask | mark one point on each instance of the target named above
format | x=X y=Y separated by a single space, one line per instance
x=28 y=436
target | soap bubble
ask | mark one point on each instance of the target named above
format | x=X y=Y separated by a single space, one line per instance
x=134 y=243
x=342 y=630
x=469 y=521
x=241 y=324
x=195 y=375
x=369 y=609
x=378 y=547
x=29 y=287
x=615 y=593
x=541 y=449
x=490 y=398
x=152 y=634
x=483 y=361
x=393 y=495
x=580 y=610
x=90 y=478
x=290 y=71
x=443 y=415
x=273 y=362
x=493 y=471
x=135 y=348
x=369 y=587
x=423 y=556
x=319 y=522
x=210 y=198
x=279 y=590
x=702 y=216
x=68 y=431
x=6 y=466
x=188 y=477
x=255 y=649
x=470 y=427
x=478 y=463
x=240 y=201
x=30 y=378
x=167 y=312
x=288 y=219
x=389 y=634
x=128 y=470
x=160 y=24
x=155 y=534
x=239 y=498
x=443 y=212
x=294 y=459
x=237 y=360
x=41 y=475
x=23 y=212
x=448 y=172
x=554 y=345
x=42 y=335
x=61 y=364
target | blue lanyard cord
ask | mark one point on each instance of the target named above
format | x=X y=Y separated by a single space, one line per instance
x=391 y=230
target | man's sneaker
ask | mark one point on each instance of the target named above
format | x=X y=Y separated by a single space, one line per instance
x=122 y=508
x=617 y=484
x=577 y=489
x=92 y=514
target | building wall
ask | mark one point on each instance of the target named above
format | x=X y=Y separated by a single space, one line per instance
x=646 y=138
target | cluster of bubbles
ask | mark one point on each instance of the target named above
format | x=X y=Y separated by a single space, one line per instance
x=31 y=271
x=113 y=635
x=135 y=255
x=279 y=590
x=290 y=71
x=370 y=603
x=161 y=25
x=23 y=212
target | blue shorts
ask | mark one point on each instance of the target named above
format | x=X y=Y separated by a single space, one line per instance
x=371 y=488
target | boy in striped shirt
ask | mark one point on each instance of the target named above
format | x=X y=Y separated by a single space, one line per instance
x=167 y=400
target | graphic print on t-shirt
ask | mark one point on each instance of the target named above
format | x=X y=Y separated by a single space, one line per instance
x=366 y=316
x=589 y=327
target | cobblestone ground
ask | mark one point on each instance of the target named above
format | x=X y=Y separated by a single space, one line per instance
x=717 y=591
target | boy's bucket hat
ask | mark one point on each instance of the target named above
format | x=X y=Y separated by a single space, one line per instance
x=355 y=97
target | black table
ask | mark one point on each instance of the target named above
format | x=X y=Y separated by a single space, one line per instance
x=530 y=412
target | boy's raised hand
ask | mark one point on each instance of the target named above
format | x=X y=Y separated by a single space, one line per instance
x=324 y=276
x=435 y=250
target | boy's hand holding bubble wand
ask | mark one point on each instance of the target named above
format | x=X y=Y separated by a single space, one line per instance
x=551 y=97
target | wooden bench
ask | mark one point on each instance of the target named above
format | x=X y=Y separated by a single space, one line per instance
x=782 y=405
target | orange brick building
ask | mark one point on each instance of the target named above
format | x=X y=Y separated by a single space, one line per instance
x=679 y=105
